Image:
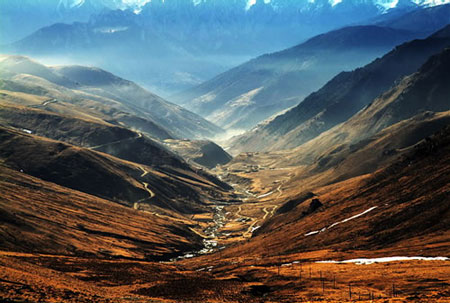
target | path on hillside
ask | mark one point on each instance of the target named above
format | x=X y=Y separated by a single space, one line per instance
x=139 y=135
x=286 y=179
x=266 y=212
x=150 y=192
x=45 y=103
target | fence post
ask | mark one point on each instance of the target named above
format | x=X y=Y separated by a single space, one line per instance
x=323 y=286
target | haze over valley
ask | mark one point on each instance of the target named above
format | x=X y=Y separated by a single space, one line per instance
x=224 y=151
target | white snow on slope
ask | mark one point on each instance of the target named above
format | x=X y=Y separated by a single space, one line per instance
x=340 y=222
x=364 y=261
x=265 y=195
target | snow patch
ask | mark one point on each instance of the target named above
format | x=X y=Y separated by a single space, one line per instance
x=340 y=222
x=254 y=228
x=334 y=2
x=265 y=195
x=110 y=30
x=364 y=261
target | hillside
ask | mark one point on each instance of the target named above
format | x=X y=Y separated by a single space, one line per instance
x=174 y=186
x=201 y=152
x=340 y=98
x=417 y=98
x=51 y=219
x=257 y=89
x=133 y=104
x=414 y=220
x=377 y=237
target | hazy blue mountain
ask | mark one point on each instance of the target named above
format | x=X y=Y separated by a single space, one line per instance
x=424 y=20
x=21 y=18
x=254 y=91
x=341 y=97
x=76 y=83
x=174 y=44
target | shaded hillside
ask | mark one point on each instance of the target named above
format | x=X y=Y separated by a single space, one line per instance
x=413 y=101
x=77 y=131
x=341 y=98
x=91 y=83
x=111 y=139
x=173 y=188
x=202 y=152
x=253 y=91
x=42 y=217
x=71 y=167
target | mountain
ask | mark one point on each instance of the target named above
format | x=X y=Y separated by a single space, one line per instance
x=341 y=97
x=372 y=139
x=45 y=13
x=262 y=87
x=414 y=109
x=131 y=104
x=173 y=45
x=425 y=21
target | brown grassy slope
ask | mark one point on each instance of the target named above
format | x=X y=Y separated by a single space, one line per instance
x=341 y=161
x=42 y=217
x=99 y=135
x=106 y=176
x=94 y=133
x=77 y=131
x=411 y=215
x=70 y=166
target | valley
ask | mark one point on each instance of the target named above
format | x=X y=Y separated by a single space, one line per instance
x=318 y=171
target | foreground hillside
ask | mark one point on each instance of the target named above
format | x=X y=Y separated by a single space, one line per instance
x=43 y=217
x=402 y=209
x=357 y=218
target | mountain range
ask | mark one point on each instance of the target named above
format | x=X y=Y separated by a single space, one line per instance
x=127 y=102
x=199 y=44
x=254 y=91
x=341 y=97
